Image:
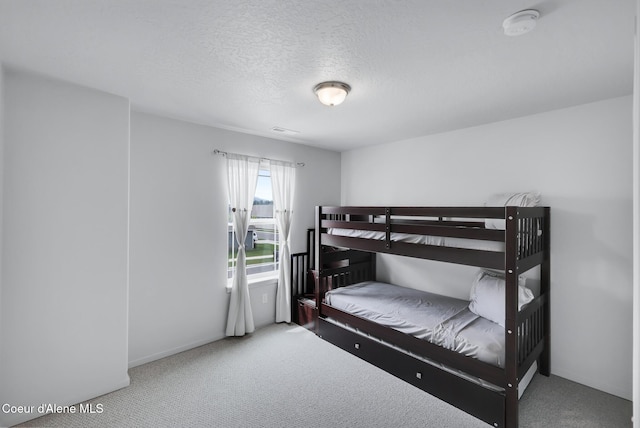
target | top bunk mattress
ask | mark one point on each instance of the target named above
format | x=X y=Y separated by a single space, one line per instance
x=441 y=320
x=471 y=244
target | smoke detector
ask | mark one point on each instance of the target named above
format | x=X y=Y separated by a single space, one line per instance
x=520 y=22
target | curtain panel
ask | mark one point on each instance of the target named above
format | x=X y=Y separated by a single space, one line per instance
x=242 y=178
x=283 y=179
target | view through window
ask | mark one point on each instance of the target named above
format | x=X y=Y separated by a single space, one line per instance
x=261 y=241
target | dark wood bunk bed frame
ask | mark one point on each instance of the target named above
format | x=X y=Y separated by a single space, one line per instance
x=337 y=261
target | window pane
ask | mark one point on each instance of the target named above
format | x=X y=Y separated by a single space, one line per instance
x=261 y=242
x=263 y=200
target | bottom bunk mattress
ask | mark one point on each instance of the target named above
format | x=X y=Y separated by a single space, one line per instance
x=441 y=320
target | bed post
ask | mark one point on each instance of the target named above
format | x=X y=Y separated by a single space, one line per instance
x=511 y=315
x=545 y=288
x=318 y=257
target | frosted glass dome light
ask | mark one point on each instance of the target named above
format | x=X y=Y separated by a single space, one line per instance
x=332 y=93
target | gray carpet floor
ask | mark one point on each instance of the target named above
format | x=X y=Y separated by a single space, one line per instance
x=284 y=376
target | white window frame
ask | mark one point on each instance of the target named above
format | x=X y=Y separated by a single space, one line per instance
x=271 y=221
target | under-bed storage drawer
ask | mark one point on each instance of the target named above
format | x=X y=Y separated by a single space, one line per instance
x=485 y=404
x=307 y=313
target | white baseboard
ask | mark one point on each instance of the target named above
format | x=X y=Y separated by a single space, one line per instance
x=599 y=383
x=168 y=352
x=182 y=348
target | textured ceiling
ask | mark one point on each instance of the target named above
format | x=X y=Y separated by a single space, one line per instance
x=416 y=67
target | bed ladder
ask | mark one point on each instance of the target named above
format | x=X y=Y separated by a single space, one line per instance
x=302 y=287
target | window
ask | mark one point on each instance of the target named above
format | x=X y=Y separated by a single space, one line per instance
x=261 y=242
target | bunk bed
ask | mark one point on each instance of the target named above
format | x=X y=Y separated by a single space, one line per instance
x=504 y=242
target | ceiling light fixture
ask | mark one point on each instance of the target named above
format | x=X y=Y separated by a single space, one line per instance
x=521 y=22
x=331 y=93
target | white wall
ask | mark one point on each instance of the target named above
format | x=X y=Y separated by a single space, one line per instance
x=178 y=241
x=1 y=204
x=580 y=160
x=64 y=246
x=636 y=225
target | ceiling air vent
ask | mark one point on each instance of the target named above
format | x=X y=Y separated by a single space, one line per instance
x=285 y=131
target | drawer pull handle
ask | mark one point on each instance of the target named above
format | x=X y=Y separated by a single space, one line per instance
x=419 y=375
x=357 y=346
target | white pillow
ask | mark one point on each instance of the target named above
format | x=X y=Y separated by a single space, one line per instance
x=487 y=296
x=525 y=199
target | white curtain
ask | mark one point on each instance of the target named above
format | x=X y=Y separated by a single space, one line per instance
x=242 y=177
x=283 y=179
